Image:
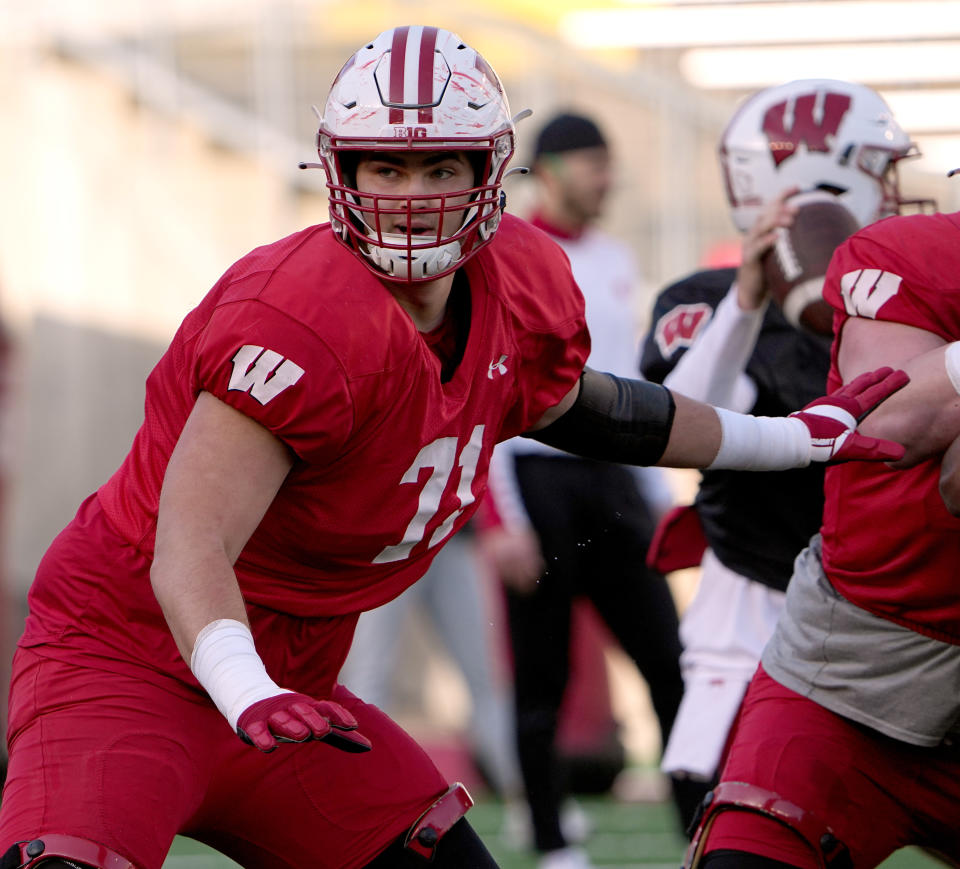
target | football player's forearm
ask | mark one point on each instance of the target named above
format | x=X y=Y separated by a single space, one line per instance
x=924 y=416
x=201 y=601
x=207 y=512
x=613 y=419
x=639 y=423
x=712 y=369
x=194 y=591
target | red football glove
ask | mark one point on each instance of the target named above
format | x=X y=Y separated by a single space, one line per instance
x=832 y=420
x=297 y=718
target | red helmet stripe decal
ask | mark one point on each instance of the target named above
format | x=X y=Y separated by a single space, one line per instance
x=428 y=45
x=398 y=55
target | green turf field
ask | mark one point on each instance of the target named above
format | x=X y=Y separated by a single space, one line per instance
x=627 y=836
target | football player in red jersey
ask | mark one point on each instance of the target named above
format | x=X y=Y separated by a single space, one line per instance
x=846 y=744
x=321 y=423
x=717 y=336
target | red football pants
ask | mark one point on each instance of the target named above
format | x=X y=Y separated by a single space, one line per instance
x=123 y=762
x=877 y=794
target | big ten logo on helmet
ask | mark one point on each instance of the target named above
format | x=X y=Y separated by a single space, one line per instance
x=410 y=132
x=812 y=119
x=680 y=326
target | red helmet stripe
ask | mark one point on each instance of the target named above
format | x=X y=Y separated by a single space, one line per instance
x=398 y=54
x=428 y=45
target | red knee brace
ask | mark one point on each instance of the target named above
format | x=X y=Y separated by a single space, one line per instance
x=428 y=829
x=826 y=847
x=72 y=848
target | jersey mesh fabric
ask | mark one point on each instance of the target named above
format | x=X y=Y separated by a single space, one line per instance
x=346 y=532
x=902 y=563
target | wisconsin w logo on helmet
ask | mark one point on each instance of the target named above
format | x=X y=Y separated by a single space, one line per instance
x=815 y=134
x=802 y=121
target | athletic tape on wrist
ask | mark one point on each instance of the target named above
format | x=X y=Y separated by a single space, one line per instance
x=952 y=362
x=226 y=663
x=761 y=443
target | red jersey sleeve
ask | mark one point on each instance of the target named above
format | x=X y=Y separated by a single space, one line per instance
x=877 y=274
x=280 y=373
x=549 y=321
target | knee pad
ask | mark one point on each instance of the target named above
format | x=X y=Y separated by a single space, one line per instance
x=71 y=850
x=428 y=829
x=827 y=849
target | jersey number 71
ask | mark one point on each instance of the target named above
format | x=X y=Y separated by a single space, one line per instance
x=440 y=456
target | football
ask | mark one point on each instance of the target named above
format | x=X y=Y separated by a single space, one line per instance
x=794 y=268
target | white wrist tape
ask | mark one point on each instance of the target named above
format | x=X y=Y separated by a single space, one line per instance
x=226 y=663
x=952 y=362
x=761 y=443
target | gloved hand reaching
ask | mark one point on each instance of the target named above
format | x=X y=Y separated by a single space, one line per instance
x=832 y=420
x=292 y=717
x=823 y=431
x=262 y=713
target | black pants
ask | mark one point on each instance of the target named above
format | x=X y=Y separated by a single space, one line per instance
x=594 y=529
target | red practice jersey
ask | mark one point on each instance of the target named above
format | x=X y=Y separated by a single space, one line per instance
x=889 y=544
x=389 y=460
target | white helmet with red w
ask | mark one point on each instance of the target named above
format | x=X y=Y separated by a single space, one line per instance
x=818 y=134
x=415 y=89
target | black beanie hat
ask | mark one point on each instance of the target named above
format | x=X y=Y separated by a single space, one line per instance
x=568 y=132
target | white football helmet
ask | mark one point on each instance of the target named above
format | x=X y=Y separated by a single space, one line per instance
x=422 y=89
x=818 y=134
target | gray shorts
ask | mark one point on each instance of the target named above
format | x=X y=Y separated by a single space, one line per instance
x=866 y=668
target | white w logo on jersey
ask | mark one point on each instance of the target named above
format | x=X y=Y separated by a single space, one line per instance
x=262 y=373
x=864 y=291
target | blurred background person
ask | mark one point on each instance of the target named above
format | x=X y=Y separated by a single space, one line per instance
x=716 y=336
x=592 y=521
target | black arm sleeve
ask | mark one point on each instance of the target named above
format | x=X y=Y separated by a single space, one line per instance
x=614 y=420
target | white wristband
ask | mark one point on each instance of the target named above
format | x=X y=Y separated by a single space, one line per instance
x=952 y=362
x=226 y=663
x=761 y=443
